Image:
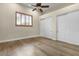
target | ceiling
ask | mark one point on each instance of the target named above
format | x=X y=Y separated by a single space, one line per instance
x=52 y=6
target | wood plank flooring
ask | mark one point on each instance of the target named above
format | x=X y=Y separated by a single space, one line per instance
x=38 y=46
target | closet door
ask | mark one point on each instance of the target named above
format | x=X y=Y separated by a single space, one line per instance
x=68 y=27
x=46 y=27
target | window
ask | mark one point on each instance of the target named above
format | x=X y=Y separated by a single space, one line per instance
x=23 y=19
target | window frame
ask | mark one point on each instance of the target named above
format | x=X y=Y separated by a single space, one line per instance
x=21 y=21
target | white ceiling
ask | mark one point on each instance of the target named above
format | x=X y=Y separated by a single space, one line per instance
x=52 y=6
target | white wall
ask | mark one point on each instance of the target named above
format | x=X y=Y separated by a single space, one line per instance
x=8 y=30
x=54 y=14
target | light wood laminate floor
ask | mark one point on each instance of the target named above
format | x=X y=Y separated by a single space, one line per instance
x=38 y=46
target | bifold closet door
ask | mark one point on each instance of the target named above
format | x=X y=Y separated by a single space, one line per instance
x=46 y=27
x=68 y=27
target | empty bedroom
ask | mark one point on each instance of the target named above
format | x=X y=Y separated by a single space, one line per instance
x=39 y=29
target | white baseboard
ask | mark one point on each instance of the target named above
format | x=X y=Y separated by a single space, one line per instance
x=19 y=38
x=53 y=38
x=70 y=42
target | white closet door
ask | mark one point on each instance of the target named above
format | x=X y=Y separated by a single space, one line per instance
x=46 y=27
x=68 y=27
